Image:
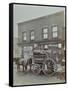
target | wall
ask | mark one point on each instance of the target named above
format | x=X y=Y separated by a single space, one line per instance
x=39 y=23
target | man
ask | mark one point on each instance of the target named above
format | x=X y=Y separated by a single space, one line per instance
x=30 y=62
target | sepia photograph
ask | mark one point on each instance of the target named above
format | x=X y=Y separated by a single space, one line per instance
x=39 y=44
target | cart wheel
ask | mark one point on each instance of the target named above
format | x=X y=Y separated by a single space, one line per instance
x=50 y=67
x=36 y=69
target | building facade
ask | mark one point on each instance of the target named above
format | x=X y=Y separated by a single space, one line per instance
x=47 y=32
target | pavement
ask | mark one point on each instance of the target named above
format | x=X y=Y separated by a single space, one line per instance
x=21 y=78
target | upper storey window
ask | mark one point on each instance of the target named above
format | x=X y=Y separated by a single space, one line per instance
x=54 y=31
x=45 y=33
x=24 y=36
x=32 y=36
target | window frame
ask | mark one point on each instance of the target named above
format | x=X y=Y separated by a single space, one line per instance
x=45 y=33
x=30 y=35
x=23 y=36
x=60 y=45
x=54 y=31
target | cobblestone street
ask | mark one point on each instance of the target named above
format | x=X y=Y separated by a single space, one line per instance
x=21 y=78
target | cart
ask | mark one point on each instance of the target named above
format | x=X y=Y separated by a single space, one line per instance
x=42 y=62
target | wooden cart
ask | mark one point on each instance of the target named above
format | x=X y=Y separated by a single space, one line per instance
x=43 y=63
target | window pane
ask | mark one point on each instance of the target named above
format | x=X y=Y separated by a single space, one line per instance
x=32 y=35
x=59 y=45
x=35 y=45
x=45 y=46
x=24 y=36
x=54 y=28
x=45 y=36
x=54 y=34
x=45 y=30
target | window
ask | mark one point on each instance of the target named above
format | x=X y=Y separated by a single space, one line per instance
x=45 y=33
x=24 y=36
x=35 y=45
x=53 y=45
x=32 y=35
x=45 y=46
x=55 y=32
x=59 y=45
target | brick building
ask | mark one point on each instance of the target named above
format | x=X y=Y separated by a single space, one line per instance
x=44 y=32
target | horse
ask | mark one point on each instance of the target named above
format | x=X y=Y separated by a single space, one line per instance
x=24 y=63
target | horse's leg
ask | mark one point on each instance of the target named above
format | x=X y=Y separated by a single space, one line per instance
x=23 y=67
x=26 y=67
x=30 y=67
